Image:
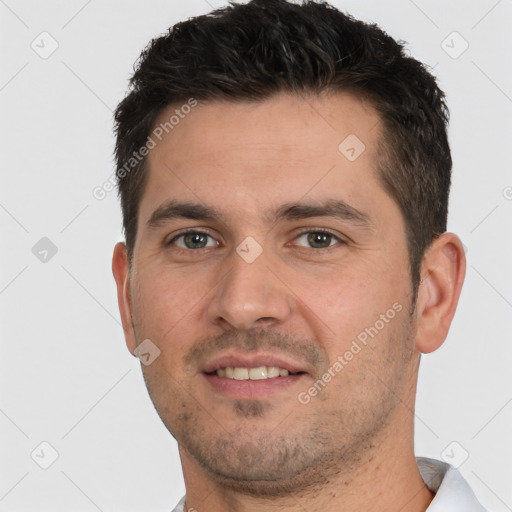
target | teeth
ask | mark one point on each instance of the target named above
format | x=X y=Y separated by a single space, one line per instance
x=258 y=373
x=272 y=371
x=240 y=373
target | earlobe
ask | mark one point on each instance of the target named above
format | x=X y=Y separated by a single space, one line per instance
x=120 y=269
x=442 y=276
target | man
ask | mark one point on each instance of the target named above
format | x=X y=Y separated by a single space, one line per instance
x=284 y=173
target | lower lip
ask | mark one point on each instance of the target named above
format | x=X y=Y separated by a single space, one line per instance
x=251 y=388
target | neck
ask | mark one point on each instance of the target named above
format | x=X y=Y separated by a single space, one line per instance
x=386 y=480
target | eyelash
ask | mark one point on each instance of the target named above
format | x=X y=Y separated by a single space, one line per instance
x=305 y=231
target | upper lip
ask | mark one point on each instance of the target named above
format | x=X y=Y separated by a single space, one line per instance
x=254 y=360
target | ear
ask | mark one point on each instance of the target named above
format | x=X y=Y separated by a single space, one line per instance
x=120 y=269
x=442 y=275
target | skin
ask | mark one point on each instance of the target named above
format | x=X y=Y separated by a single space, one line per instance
x=351 y=447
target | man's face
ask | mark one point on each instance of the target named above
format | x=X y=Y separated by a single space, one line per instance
x=253 y=290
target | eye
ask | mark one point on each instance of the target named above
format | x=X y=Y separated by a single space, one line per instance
x=319 y=238
x=192 y=240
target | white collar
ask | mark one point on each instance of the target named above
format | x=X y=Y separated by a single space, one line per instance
x=453 y=493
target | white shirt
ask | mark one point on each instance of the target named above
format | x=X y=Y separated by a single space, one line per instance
x=452 y=492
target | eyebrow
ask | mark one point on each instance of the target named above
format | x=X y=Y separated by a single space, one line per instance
x=336 y=208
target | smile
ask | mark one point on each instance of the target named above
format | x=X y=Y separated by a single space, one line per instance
x=256 y=373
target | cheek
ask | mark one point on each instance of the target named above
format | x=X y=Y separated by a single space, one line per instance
x=164 y=305
x=349 y=301
x=163 y=290
x=369 y=366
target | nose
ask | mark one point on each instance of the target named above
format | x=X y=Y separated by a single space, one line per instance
x=251 y=295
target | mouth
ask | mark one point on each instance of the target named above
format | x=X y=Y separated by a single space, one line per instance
x=252 y=376
x=255 y=373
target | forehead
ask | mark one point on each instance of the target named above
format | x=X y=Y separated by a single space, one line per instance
x=244 y=156
x=296 y=123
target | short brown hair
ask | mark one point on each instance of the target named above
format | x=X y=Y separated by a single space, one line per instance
x=252 y=51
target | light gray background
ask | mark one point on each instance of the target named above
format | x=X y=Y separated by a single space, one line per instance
x=66 y=376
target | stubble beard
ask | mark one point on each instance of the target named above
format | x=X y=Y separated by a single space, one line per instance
x=319 y=444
